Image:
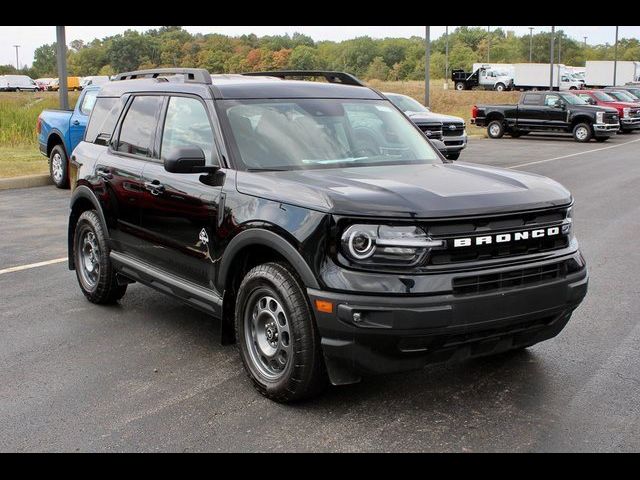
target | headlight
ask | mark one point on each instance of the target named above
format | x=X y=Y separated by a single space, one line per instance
x=386 y=245
x=599 y=117
x=626 y=112
x=567 y=225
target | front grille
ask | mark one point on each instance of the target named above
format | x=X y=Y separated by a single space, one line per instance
x=432 y=131
x=493 y=225
x=475 y=284
x=610 y=118
x=634 y=113
x=456 y=131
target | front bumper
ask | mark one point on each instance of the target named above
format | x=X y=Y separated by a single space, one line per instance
x=455 y=144
x=374 y=334
x=630 y=123
x=605 y=128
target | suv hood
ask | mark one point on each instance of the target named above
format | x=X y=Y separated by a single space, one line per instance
x=421 y=117
x=422 y=191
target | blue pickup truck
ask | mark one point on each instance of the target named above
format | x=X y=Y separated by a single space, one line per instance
x=59 y=131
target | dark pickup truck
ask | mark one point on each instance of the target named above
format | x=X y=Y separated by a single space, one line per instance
x=548 y=112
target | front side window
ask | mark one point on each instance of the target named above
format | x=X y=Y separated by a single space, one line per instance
x=550 y=100
x=288 y=134
x=139 y=125
x=187 y=125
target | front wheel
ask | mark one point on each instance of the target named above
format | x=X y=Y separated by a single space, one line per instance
x=582 y=132
x=495 y=129
x=276 y=335
x=459 y=86
x=96 y=275
x=500 y=87
x=59 y=167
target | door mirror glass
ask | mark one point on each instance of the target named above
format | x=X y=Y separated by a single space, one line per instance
x=186 y=160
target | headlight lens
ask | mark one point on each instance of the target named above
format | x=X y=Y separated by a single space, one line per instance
x=626 y=112
x=599 y=117
x=567 y=225
x=386 y=245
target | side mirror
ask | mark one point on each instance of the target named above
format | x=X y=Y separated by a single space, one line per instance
x=440 y=146
x=187 y=160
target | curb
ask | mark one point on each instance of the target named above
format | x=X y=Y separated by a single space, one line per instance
x=25 y=182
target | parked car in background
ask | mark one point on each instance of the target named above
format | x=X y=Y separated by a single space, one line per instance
x=73 y=84
x=94 y=80
x=623 y=96
x=59 y=131
x=548 y=112
x=484 y=78
x=17 y=83
x=631 y=89
x=628 y=112
x=454 y=134
x=43 y=83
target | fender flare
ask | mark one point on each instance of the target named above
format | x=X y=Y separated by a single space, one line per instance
x=260 y=236
x=62 y=139
x=82 y=192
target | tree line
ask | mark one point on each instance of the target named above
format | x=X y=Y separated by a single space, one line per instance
x=365 y=57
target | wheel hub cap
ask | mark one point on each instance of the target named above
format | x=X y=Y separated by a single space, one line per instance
x=90 y=258
x=56 y=167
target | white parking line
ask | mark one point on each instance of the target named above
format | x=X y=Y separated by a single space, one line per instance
x=574 y=154
x=33 y=265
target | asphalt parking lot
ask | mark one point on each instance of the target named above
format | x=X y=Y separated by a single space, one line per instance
x=149 y=374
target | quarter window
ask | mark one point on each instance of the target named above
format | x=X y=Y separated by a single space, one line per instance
x=138 y=126
x=187 y=125
x=88 y=102
x=103 y=120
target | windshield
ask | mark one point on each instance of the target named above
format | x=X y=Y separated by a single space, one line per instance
x=622 y=96
x=406 y=104
x=573 y=99
x=290 y=134
x=603 y=97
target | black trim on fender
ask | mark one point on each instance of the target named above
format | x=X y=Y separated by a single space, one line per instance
x=259 y=236
x=83 y=192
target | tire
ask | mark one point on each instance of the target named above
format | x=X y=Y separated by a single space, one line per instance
x=495 y=129
x=95 y=273
x=601 y=139
x=453 y=156
x=18 y=90
x=500 y=87
x=59 y=167
x=460 y=86
x=276 y=335
x=582 y=132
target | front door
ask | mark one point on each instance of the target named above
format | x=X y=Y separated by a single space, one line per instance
x=80 y=117
x=181 y=210
x=555 y=110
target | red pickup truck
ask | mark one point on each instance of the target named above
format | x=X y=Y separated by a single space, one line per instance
x=629 y=112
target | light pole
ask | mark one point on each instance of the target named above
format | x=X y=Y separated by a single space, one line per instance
x=446 y=57
x=585 y=41
x=559 y=46
x=530 y=44
x=488 y=43
x=427 y=60
x=61 y=56
x=553 y=36
x=615 y=59
x=17 y=62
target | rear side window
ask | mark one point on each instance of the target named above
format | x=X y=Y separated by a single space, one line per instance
x=88 y=102
x=139 y=125
x=187 y=125
x=103 y=120
x=531 y=99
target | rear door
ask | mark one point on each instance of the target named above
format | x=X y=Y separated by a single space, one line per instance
x=119 y=170
x=180 y=211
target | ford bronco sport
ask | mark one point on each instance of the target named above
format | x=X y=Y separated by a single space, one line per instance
x=318 y=223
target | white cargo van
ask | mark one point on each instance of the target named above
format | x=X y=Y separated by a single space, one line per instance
x=17 y=83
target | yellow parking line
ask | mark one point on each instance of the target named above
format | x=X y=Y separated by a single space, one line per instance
x=32 y=265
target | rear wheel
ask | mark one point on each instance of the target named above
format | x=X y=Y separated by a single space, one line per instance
x=495 y=129
x=276 y=335
x=59 y=167
x=582 y=132
x=95 y=273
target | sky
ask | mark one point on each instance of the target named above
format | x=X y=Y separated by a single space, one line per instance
x=30 y=38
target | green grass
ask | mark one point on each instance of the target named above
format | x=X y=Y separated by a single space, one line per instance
x=19 y=112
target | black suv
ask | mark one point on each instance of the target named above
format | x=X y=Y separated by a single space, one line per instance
x=318 y=223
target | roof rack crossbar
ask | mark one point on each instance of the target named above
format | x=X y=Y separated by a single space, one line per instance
x=330 y=76
x=191 y=75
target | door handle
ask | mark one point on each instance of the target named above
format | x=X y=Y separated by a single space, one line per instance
x=76 y=122
x=104 y=173
x=155 y=187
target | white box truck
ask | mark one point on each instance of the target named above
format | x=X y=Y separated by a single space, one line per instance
x=535 y=76
x=599 y=73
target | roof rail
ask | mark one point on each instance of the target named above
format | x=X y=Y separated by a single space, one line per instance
x=191 y=75
x=331 y=77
